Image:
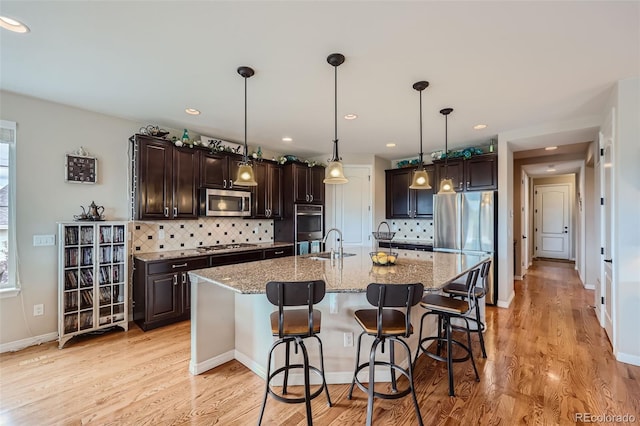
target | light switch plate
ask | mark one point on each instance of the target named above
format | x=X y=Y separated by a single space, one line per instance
x=44 y=240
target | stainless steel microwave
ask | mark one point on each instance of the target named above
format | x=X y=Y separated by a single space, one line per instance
x=225 y=202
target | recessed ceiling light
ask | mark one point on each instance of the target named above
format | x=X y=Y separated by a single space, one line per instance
x=391 y=145
x=350 y=117
x=13 y=25
x=192 y=111
x=480 y=126
x=551 y=148
x=287 y=139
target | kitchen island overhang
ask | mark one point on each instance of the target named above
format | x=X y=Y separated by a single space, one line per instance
x=230 y=312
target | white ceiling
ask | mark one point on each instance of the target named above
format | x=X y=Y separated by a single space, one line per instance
x=510 y=65
x=559 y=168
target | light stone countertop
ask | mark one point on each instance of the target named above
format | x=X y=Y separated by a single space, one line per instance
x=349 y=275
x=178 y=254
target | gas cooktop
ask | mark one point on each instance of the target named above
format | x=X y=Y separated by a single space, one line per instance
x=225 y=247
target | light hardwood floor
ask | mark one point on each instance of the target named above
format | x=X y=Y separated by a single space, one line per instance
x=547 y=360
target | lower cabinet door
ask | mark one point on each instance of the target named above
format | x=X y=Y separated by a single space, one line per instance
x=163 y=299
x=186 y=293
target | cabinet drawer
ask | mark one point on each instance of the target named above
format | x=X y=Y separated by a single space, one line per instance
x=231 y=258
x=178 y=265
x=278 y=252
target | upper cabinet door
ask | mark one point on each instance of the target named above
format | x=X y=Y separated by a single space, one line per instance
x=260 y=192
x=424 y=197
x=300 y=185
x=214 y=170
x=154 y=196
x=275 y=187
x=398 y=195
x=481 y=173
x=454 y=170
x=185 y=183
x=316 y=184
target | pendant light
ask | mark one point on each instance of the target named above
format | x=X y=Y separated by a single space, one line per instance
x=335 y=173
x=245 y=175
x=420 y=176
x=446 y=184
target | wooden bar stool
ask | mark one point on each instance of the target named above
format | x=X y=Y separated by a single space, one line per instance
x=460 y=290
x=392 y=325
x=447 y=308
x=293 y=326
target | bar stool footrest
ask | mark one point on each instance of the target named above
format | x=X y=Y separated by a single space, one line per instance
x=444 y=340
x=394 y=395
x=291 y=400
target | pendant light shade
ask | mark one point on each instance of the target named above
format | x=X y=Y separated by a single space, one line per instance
x=420 y=176
x=335 y=173
x=245 y=175
x=446 y=184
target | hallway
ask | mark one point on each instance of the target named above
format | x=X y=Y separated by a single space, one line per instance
x=548 y=361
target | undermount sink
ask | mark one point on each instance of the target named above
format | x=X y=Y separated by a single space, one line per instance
x=327 y=255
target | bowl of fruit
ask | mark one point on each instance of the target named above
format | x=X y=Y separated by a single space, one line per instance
x=382 y=258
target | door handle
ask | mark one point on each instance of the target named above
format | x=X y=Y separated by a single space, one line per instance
x=524 y=237
x=224 y=183
x=609 y=260
x=230 y=183
x=175 y=280
x=184 y=278
x=175 y=211
x=166 y=212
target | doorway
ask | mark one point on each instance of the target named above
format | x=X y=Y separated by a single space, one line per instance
x=607 y=281
x=553 y=224
x=350 y=209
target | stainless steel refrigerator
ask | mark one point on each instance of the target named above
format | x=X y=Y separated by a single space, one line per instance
x=466 y=222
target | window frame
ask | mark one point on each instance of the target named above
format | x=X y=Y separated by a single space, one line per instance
x=12 y=289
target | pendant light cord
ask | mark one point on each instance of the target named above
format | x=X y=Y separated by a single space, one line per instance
x=446 y=147
x=335 y=115
x=246 y=158
x=421 y=160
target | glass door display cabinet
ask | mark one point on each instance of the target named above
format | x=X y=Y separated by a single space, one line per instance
x=92 y=278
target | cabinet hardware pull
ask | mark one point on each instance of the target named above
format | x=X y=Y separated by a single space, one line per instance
x=175 y=280
x=184 y=278
x=166 y=212
x=230 y=183
x=175 y=211
x=311 y=197
x=182 y=265
x=278 y=252
x=224 y=183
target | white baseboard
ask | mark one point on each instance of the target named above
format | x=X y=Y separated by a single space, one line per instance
x=258 y=369
x=518 y=277
x=31 y=341
x=210 y=363
x=589 y=286
x=506 y=303
x=628 y=358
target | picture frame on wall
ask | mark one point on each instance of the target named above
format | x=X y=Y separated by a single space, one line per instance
x=80 y=169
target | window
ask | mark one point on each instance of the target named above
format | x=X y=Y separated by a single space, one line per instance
x=8 y=251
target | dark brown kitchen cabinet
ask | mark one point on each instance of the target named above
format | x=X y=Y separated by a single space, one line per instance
x=478 y=173
x=305 y=183
x=402 y=202
x=161 y=290
x=218 y=169
x=267 y=195
x=166 y=180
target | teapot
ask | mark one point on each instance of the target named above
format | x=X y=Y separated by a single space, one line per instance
x=95 y=212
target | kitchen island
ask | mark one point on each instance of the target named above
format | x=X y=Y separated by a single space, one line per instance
x=230 y=313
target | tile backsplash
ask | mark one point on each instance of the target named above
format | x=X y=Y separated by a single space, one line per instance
x=160 y=236
x=412 y=229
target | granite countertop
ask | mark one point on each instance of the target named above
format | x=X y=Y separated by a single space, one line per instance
x=350 y=274
x=178 y=254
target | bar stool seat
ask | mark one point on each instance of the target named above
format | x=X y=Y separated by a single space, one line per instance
x=294 y=326
x=446 y=309
x=387 y=325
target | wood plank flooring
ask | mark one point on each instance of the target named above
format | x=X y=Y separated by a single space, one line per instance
x=547 y=361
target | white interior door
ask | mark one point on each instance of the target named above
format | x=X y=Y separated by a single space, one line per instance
x=606 y=191
x=351 y=209
x=524 y=224
x=552 y=212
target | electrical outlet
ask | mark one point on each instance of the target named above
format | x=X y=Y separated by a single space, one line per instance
x=44 y=240
x=333 y=303
x=348 y=340
x=38 y=310
x=161 y=234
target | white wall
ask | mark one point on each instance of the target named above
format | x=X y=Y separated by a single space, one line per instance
x=626 y=206
x=46 y=131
